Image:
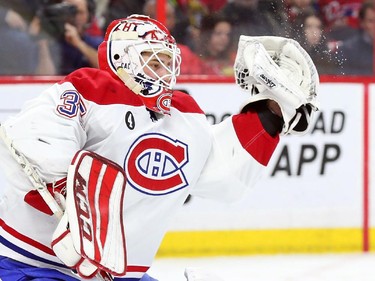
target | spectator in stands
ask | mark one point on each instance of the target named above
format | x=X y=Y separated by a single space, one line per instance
x=149 y=9
x=101 y=8
x=196 y=10
x=216 y=45
x=358 y=51
x=25 y=8
x=96 y=27
x=116 y=9
x=248 y=18
x=192 y=63
x=214 y=5
x=279 y=14
x=296 y=7
x=17 y=49
x=340 y=17
x=65 y=47
x=187 y=14
x=308 y=31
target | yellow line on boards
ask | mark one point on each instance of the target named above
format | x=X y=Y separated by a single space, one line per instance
x=270 y=241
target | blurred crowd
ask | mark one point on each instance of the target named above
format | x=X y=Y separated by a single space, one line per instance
x=55 y=37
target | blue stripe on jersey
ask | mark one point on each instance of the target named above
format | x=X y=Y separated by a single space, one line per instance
x=145 y=277
x=11 y=270
x=27 y=254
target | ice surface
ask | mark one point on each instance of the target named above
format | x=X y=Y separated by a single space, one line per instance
x=327 y=267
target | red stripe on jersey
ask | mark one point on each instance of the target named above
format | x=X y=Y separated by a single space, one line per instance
x=253 y=138
x=136 y=268
x=100 y=87
x=185 y=103
x=26 y=239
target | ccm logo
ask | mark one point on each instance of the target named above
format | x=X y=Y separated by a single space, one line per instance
x=82 y=206
x=267 y=81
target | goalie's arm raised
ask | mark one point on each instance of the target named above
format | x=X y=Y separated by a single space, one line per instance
x=281 y=81
x=242 y=146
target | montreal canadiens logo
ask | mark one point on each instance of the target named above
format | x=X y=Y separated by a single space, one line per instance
x=164 y=102
x=154 y=164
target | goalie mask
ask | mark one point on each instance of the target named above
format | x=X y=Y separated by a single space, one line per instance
x=279 y=69
x=131 y=50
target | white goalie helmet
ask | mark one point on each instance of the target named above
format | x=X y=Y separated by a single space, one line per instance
x=279 y=69
x=122 y=54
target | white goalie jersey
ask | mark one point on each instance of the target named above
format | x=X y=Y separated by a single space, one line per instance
x=164 y=159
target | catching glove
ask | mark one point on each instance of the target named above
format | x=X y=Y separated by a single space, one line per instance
x=279 y=69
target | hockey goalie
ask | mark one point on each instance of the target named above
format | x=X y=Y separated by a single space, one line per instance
x=98 y=163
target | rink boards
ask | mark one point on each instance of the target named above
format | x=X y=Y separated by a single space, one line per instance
x=314 y=196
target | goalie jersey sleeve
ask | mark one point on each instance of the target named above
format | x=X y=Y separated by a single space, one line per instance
x=241 y=148
x=164 y=159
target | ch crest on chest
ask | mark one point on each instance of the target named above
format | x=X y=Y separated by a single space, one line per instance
x=155 y=164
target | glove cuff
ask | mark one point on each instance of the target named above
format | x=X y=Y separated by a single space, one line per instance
x=272 y=123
